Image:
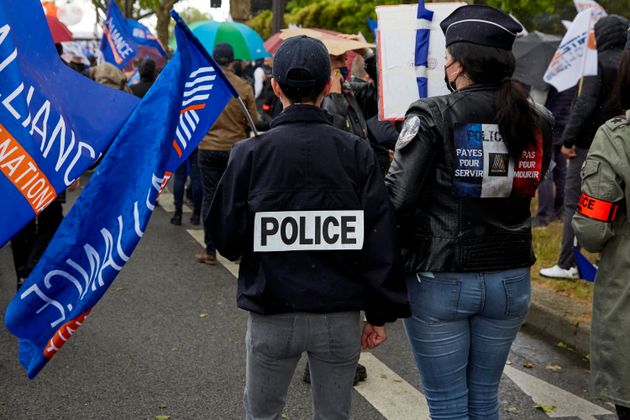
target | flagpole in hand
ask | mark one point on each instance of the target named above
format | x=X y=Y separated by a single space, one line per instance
x=179 y=21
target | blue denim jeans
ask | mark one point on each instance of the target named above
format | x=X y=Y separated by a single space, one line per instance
x=274 y=346
x=461 y=330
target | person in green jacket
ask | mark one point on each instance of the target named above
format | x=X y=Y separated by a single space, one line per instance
x=601 y=225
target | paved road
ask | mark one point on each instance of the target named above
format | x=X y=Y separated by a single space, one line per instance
x=167 y=339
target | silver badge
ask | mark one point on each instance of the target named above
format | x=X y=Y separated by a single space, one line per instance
x=409 y=131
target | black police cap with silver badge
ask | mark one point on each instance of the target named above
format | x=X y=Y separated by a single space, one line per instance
x=481 y=25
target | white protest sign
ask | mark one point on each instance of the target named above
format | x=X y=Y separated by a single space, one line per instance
x=598 y=11
x=576 y=56
x=397 y=27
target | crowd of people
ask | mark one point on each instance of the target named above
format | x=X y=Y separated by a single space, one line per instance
x=331 y=212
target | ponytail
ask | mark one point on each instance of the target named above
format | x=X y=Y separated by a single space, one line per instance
x=517 y=120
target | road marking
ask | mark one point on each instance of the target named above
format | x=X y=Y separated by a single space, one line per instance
x=566 y=403
x=166 y=202
x=390 y=394
x=395 y=398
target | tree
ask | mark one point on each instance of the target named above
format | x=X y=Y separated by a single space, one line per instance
x=138 y=9
x=189 y=16
x=350 y=16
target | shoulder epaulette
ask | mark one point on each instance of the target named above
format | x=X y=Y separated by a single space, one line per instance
x=618 y=122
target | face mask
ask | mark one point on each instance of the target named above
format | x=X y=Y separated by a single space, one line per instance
x=450 y=85
x=344 y=72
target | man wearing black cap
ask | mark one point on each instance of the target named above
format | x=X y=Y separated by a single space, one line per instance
x=214 y=149
x=305 y=206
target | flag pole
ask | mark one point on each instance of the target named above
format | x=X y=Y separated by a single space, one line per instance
x=250 y=120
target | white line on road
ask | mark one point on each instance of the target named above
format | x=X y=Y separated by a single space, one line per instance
x=390 y=394
x=166 y=202
x=566 y=403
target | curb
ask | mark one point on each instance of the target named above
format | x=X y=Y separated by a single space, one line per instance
x=560 y=318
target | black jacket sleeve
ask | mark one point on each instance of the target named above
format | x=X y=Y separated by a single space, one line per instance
x=582 y=110
x=382 y=267
x=228 y=218
x=412 y=162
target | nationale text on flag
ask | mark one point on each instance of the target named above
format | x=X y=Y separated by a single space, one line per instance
x=87 y=252
x=54 y=122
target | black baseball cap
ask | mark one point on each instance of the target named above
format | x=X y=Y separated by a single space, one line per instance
x=481 y=25
x=223 y=54
x=301 y=62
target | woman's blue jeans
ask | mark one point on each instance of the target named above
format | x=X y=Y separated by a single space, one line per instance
x=461 y=330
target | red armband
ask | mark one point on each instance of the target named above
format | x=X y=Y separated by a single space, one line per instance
x=594 y=208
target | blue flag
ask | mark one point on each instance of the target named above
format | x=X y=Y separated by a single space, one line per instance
x=143 y=37
x=117 y=45
x=586 y=269
x=425 y=17
x=87 y=253
x=54 y=122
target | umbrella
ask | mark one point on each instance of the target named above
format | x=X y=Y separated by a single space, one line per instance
x=274 y=42
x=334 y=41
x=533 y=54
x=247 y=44
x=60 y=32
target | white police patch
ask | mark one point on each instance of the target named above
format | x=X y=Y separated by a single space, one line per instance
x=308 y=230
x=409 y=131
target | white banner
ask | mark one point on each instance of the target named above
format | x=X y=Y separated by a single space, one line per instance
x=598 y=11
x=576 y=56
x=397 y=27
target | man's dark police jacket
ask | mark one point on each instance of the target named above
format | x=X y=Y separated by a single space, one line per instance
x=319 y=173
x=462 y=202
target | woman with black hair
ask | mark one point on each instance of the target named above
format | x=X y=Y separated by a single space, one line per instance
x=601 y=225
x=465 y=169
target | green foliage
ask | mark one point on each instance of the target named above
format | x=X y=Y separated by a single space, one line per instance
x=261 y=23
x=347 y=16
x=350 y=16
x=189 y=15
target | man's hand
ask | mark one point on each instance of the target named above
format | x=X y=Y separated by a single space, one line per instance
x=372 y=336
x=568 y=153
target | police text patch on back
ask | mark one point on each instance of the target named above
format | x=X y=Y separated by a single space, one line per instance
x=325 y=230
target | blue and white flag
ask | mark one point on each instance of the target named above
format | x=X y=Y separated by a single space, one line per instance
x=425 y=17
x=117 y=45
x=576 y=56
x=54 y=122
x=87 y=253
x=143 y=36
x=148 y=46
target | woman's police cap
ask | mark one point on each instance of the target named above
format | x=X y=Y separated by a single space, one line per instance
x=301 y=61
x=481 y=25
